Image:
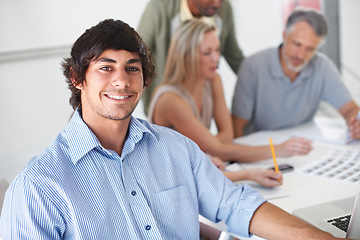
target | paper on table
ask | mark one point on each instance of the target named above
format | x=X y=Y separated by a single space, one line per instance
x=333 y=130
x=339 y=164
x=270 y=193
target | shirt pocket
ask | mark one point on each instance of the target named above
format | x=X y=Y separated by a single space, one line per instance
x=177 y=211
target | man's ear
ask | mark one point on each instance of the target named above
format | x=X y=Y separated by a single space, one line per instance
x=77 y=85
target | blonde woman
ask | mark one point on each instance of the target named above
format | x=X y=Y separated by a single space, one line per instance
x=191 y=94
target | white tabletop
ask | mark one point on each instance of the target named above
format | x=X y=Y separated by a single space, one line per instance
x=302 y=189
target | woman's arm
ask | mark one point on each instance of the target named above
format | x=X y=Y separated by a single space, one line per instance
x=222 y=115
x=172 y=110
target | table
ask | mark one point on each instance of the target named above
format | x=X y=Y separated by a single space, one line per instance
x=303 y=189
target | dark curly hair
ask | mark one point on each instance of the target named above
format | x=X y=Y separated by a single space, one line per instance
x=108 y=34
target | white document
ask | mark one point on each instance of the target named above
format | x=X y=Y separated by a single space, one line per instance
x=332 y=130
x=270 y=193
x=339 y=164
x=267 y=193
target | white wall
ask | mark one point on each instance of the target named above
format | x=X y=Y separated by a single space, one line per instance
x=33 y=95
x=41 y=23
x=349 y=45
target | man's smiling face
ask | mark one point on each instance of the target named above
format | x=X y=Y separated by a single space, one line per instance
x=113 y=86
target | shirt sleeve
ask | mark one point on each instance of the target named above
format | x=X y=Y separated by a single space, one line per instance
x=335 y=92
x=222 y=200
x=232 y=52
x=243 y=102
x=148 y=22
x=28 y=214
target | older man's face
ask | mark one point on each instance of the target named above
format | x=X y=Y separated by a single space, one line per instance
x=299 y=46
x=205 y=7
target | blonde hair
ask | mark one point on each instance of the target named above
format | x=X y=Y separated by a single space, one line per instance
x=182 y=62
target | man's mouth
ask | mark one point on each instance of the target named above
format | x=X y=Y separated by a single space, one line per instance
x=117 y=97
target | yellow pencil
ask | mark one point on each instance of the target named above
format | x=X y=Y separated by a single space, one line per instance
x=274 y=156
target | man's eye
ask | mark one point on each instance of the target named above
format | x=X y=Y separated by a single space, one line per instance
x=310 y=49
x=133 y=69
x=106 y=68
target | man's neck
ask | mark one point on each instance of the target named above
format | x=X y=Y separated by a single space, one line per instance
x=112 y=134
x=290 y=74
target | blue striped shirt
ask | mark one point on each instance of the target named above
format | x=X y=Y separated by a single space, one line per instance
x=156 y=189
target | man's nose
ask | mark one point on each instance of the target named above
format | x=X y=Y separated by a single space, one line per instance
x=300 y=53
x=121 y=79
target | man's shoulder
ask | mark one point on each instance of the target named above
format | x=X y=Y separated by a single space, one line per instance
x=225 y=7
x=154 y=129
x=261 y=56
x=320 y=58
x=161 y=133
x=264 y=52
x=52 y=157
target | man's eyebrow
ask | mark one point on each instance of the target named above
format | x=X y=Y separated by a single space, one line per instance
x=105 y=60
x=134 y=60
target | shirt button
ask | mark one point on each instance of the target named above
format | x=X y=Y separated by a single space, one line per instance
x=133 y=193
x=148 y=227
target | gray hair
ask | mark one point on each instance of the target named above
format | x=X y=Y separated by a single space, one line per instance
x=315 y=19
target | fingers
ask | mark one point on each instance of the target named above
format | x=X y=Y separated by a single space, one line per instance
x=268 y=178
x=297 y=146
x=270 y=182
x=274 y=178
x=302 y=146
x=355 y=129
x=273 y=174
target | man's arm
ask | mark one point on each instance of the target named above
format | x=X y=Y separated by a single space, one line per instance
x=238 y=125
x=148 y=24
x=271 y=222
x=29 y=213
x=244 y=97
x=230 y=47
x=349 y=111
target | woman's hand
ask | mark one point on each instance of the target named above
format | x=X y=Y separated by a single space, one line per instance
x=265 y=177
x=294 y=146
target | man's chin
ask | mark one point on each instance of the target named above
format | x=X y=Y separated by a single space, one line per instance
x=210 y=12
x=297 y=68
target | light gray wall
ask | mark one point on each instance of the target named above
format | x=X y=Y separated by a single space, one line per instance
x=349 y=45
x=33 y=95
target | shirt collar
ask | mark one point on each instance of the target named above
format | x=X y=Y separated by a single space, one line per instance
x=82 y=140
x=185 y=14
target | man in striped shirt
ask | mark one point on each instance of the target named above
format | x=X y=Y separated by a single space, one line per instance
x=109 y=175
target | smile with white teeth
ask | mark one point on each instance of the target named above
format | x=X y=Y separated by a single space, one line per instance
x=117 y=97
